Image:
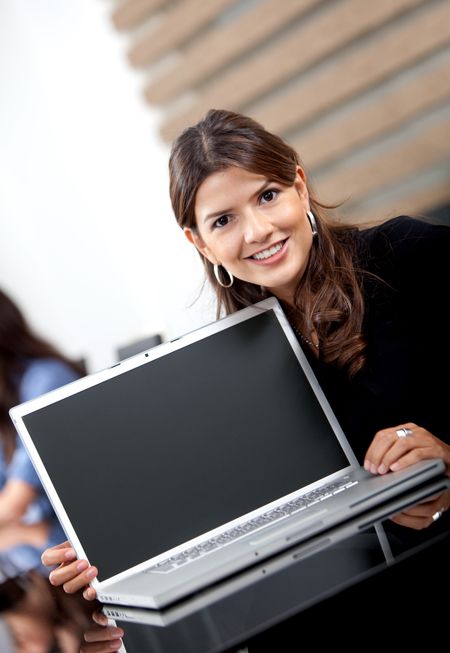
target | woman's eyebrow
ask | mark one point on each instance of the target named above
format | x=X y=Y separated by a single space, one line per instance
x=217 y=214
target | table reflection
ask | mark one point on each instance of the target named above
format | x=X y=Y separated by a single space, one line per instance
x=333 y=578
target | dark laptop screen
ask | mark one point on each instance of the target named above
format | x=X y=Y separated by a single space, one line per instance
x=184 y=443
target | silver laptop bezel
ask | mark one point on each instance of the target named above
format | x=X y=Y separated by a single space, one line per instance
x=19 y=412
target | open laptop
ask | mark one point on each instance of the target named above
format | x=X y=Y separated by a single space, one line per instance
x=363 y=526
x=197 y=458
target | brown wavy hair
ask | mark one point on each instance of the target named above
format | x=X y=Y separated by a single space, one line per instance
x=18 y=344
x=328 y=298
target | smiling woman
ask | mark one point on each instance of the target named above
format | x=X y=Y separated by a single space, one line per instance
x=242 y=198
x=361 y=300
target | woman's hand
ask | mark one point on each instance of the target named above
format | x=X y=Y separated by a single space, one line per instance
x=102 y=638
x=424 y=514
x=71 y=573
x=389 y=452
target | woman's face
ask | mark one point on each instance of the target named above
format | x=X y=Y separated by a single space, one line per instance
x=256 y=228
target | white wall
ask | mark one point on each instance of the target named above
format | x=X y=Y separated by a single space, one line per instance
x=89 y=247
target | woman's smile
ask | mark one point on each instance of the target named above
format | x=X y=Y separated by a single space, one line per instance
x=271 y=254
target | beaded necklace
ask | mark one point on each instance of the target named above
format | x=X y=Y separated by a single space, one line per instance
x=304 y=339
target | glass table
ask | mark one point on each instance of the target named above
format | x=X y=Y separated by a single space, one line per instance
x=366 y=572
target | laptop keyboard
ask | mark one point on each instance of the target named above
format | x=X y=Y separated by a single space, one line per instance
x=227 y=537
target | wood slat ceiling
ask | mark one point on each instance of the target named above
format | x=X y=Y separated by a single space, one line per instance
x=361 y=89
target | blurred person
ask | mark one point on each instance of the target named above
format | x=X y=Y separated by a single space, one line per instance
x=29 y=367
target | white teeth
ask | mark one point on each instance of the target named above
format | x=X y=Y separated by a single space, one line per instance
x=266 y=253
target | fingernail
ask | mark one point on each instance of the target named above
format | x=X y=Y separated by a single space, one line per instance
x=394 y=467
x=115 y=646
x=89 y=594
x=101 y=619
x=367 y=465
x=117 y=632
x=70 y=554
x=91 y=573
x=382 y=469
x=82 y=565
x=373 y=469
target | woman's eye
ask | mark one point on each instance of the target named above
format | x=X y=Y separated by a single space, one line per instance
x=269 y=195
x=222 y=221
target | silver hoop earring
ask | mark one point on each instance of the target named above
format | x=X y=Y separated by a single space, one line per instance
x=219 y=280
x=313 y=223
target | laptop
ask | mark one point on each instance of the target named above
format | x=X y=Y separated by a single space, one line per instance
x=197 y=458
x=358 y=530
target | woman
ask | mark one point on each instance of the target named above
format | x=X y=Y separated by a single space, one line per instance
x=29 y=366
x=363 y=303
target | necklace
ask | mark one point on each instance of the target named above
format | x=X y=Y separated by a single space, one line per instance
x=304 y=339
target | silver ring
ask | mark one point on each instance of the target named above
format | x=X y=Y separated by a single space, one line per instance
x=403 y=432
x=437 y=515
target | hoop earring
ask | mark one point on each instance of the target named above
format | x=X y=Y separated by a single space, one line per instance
x=219 y=281
x=313 y=223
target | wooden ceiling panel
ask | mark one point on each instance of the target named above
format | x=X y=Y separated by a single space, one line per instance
x=361 y=89
x=394 y=104
x=414 y=198
x=223 y=44
x=384 y=55
x=295 y=52
x=179 y=25
x=423 y=147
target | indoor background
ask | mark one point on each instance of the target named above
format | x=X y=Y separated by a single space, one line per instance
x=93 y=92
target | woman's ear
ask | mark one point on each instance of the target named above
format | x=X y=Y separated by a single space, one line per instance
x=189 y=235
x=196 y=240
x=300 y=184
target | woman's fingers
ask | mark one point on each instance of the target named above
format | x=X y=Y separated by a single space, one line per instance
x=410 y=521
x=71 y=573
x=73 y=576
x=102 y=647
x=388 y=446
x=424 y=514
x=102 y=640
x=409 y=454
x=59 y=554
x=100 y=618
x=379 y=446
x=103 y=634
x=89 y=594
x=401 y=446
x=103 y=637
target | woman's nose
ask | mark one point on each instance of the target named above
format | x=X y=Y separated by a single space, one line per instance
x=256 y=227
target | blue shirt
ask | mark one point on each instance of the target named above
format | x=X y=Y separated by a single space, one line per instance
x=40 y=376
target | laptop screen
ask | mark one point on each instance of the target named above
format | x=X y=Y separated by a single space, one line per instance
x=184 y=443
